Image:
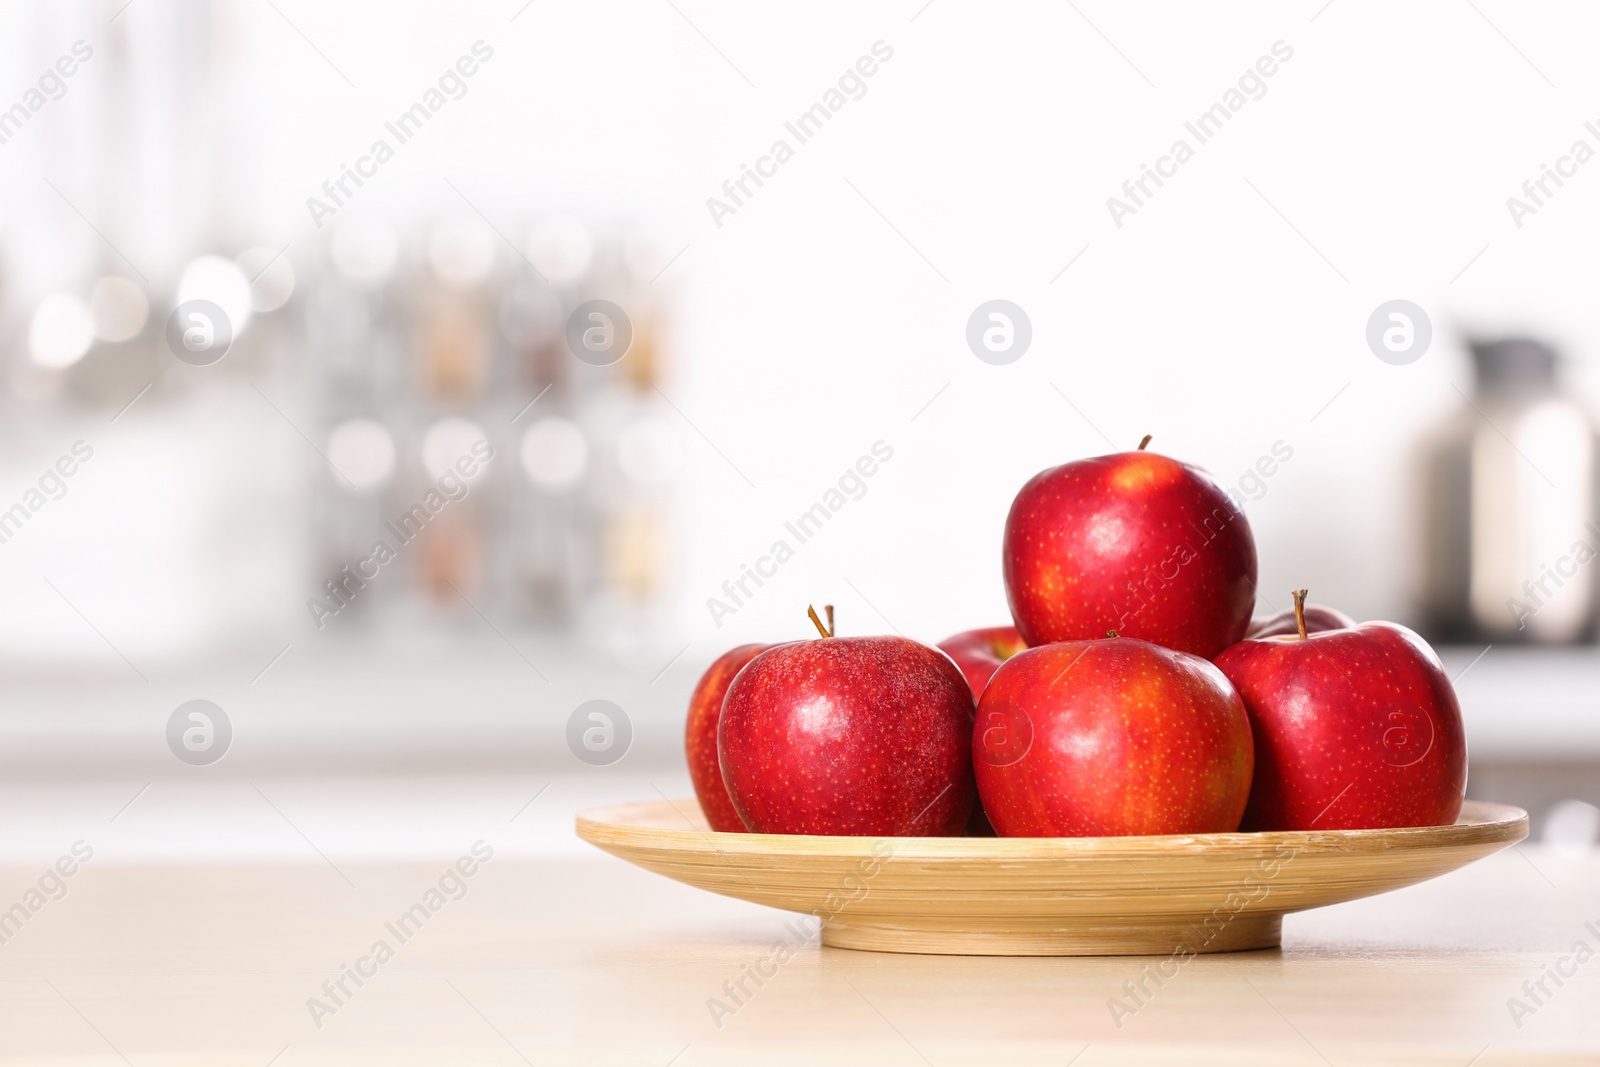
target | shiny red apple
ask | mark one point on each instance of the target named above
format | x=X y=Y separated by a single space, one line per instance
x=1355 y=729
x=1110 y=737
x=979 y=653
x=1134 y=542
x=700 y=737
x=849 y=735
x=1318 y=617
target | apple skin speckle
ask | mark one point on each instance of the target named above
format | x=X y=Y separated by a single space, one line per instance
x=1111 y=737
x=851 y=736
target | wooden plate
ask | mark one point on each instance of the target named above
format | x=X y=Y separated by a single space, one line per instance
x=1035 y=896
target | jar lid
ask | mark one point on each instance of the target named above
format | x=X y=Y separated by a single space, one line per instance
x=1514 y=361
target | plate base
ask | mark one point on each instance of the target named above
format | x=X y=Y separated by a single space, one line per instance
x=1151 y=937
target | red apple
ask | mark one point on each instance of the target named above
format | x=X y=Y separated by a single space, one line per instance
x=1133 y=542
x=1355 y=728
x=1110 y=737
x=979 y=653
x=1318 y=617
x=700 y=737
x=849 y=735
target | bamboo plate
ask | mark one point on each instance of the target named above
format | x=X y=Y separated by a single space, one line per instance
x=1084 y=896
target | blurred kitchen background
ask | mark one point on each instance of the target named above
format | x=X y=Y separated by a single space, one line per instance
x=396 y=313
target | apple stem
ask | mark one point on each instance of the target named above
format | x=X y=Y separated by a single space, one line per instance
x=828 y=610
x=1145 y=441
x=1300 y=611
x=811 y=612
x=1112 y=633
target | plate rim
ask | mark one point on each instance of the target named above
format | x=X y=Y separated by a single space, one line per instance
x=617 y=824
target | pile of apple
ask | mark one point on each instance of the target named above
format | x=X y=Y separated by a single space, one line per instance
x=1133 y=696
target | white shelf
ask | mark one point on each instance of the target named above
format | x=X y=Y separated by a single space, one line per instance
x=1526 y=703
x=475 y=704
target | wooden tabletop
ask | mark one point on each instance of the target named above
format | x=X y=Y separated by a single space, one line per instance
x=586 y=960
